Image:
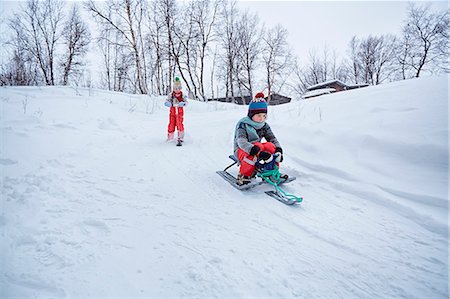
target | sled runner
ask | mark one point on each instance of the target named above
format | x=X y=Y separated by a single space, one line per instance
x=271 y=177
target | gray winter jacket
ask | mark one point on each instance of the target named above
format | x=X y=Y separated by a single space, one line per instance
x=241 y=137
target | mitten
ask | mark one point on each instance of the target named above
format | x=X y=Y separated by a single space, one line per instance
x=255 y=149
x=181 y=104
x=279 y=154
x=167 y=104
x=264 y=156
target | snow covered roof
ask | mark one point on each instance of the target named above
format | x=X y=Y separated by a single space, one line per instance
x=338 y=82
x=318 y=92
x=359 y=85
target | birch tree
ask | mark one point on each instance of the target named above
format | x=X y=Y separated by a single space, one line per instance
x=126 y=17
x=76 y=39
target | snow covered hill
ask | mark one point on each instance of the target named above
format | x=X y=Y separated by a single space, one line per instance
x=96 y=204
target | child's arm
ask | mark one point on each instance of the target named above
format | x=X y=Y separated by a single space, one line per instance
x=168 y=102
x=184 y=102
x=270 y=136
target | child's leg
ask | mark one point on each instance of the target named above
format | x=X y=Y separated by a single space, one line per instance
x=247 y=163
x=172 y=122
x=180 y=126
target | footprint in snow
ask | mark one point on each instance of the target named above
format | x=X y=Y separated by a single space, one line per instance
x=90 y=226
x=7 y=162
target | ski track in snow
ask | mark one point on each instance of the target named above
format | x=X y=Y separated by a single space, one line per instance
x=96 y=204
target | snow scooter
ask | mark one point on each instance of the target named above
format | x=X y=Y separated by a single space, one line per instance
x=269 y=174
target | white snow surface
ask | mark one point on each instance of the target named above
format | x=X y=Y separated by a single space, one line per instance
x=96 y=204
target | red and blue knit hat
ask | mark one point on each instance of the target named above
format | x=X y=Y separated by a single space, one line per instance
x=257 y=105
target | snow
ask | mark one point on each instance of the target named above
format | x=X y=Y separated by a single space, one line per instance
x=318 y=92
x=352 y=86
x=96 y=204
x=339 y=82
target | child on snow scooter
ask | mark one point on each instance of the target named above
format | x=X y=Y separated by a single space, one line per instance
x=248 y=147
x=176 y=101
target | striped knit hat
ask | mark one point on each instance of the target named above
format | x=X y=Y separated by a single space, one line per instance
x=257 y=105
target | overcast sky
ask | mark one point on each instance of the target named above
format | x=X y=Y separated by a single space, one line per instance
x=314 y=24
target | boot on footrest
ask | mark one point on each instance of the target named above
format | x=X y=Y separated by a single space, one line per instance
x=284 y=177
x=243 y=179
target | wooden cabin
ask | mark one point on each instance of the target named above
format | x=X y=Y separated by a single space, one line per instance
x=328 y=87
x=276 y=99
x=337 y=85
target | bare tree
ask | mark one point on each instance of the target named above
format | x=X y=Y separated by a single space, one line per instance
x=76 y=39
x=339 y=69
x=204 y=17
x=276 y=56
x=384 y=60
x=184 y=44
x=326 y=64
x=19 y=70
x=354 y=60
x=248 y=49
x=125 y=17
x=18 y=66
x=105 y=50
x=403 y=50
x=366 y=57
x=228 y=39
x=376 y=57
x=300 y=81
x=425 y=39
x=157 y=49
x=167 y=9
x=314 y=74
x=317 y=69
x=213 y=68
x=117 y=60
x=37 y=26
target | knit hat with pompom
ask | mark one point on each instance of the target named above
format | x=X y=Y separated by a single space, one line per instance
x=177 y=84
x=257 y=105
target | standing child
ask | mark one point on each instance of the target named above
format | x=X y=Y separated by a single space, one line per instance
x=176 y=101
x=248 y=145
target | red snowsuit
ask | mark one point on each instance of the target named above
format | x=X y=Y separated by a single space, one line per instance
x=248 y=162
x=176 y=115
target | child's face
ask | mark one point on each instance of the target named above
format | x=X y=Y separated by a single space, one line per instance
x=259 y=118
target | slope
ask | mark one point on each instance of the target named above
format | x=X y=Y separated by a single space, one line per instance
x=95 y=203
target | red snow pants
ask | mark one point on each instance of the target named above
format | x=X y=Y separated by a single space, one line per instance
x=248 y=162
x=176 y=119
